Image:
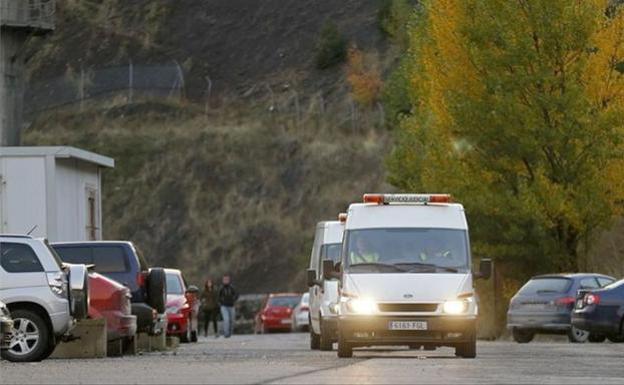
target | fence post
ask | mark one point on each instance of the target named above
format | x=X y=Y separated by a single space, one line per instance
x=81 y=90
x=180 y=81
x=208 y=93
x=297 y=117
x=130 y=81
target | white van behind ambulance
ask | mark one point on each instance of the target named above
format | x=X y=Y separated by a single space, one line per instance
x=324 y=292
x=405 y=275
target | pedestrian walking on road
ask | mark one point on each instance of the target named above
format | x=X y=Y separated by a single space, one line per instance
x=210 y=307
x=227 y=299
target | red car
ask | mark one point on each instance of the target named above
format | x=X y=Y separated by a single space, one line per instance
x=111 y=301
x=182 y=307
x=276 y=313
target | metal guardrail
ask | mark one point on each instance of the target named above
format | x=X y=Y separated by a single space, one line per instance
x=28 y=13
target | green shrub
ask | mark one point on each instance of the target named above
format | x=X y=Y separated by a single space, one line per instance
x=331 y=48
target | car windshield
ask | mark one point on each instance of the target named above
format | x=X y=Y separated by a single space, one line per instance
x=284 y=301
x=331 y=251
x=546 y=285
x=413 y=250
x=174 y=285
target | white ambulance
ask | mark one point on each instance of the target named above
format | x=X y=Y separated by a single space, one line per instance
x=405 y=275
x=324 y=292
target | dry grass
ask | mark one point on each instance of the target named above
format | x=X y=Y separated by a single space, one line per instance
x=212 y=193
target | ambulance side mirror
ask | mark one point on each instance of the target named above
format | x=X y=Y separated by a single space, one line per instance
x=485 y=269
x=311 y=278
x=329 y=269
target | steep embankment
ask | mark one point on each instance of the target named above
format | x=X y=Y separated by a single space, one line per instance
x=211 y=198
x=236 y=43
x=238 y=187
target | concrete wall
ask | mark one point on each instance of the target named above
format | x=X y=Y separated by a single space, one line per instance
x=23 y=195
x=75 y=180
x=50 y=193
x=11 y=85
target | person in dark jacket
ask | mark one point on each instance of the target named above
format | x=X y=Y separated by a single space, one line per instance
x=227 y=298
x=210 y=307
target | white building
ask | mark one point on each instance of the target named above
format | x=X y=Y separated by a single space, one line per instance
x=55 y=190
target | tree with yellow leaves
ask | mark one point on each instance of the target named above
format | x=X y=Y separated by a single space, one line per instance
x=517 y=108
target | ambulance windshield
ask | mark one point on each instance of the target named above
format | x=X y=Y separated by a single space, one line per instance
x=413 y=250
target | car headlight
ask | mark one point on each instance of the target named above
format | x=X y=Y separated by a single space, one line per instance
x=361 y=306
x=457 y=306
x=172 y=310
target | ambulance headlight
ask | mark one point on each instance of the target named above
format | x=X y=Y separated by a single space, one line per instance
x=363 y=306
x=457 y=306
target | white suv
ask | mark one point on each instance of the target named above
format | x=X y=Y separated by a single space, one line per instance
x=43 y=295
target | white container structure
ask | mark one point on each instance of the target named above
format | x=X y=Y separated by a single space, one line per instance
x=54 y=192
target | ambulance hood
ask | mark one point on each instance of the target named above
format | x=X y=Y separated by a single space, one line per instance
x=408 y=287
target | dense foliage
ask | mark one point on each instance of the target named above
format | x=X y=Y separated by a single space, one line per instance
x=517 y=108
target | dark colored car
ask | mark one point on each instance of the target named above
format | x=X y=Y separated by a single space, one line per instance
x=276 y=314
x=545 y=303
x=601 y=312
x=182 y=307
x=122 y=262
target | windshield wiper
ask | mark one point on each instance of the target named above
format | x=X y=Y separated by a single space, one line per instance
x=377 y=264
x=420 y=264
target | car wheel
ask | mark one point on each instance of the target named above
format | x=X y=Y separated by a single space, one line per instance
x=345 y=349
x=467 y=349
x=522 y=336
x=596 y=338
x=616 y=339
x=30 y=340
x=325 y=342
x=315 y=340
x=576 y=335
x=157 y=289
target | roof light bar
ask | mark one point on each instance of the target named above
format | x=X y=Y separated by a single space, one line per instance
x=342 y=217
x=406 y=198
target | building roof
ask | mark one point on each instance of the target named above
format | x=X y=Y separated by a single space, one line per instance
x=59 y=152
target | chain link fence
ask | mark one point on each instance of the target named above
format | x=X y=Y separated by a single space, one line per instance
x=79 y=87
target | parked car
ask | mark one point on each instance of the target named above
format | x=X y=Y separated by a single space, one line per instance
x=112 y=301
x=324 y=296
x=301 y=314
x=122 y=262
x=44 y=296
x=601 y=312
x=6 y=326
x=247 y=307
x=182 y=307
x=545 y=304
x=276 y=313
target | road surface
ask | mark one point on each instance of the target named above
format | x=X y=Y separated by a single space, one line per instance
x=285 y=358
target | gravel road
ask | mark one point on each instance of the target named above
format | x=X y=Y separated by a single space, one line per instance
x=285 y=358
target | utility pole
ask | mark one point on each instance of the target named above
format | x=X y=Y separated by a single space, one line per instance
x=19 y=19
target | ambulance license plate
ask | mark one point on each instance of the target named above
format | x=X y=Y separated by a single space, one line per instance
x=407 y=325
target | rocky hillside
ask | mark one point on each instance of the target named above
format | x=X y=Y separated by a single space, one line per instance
x=238 y=185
